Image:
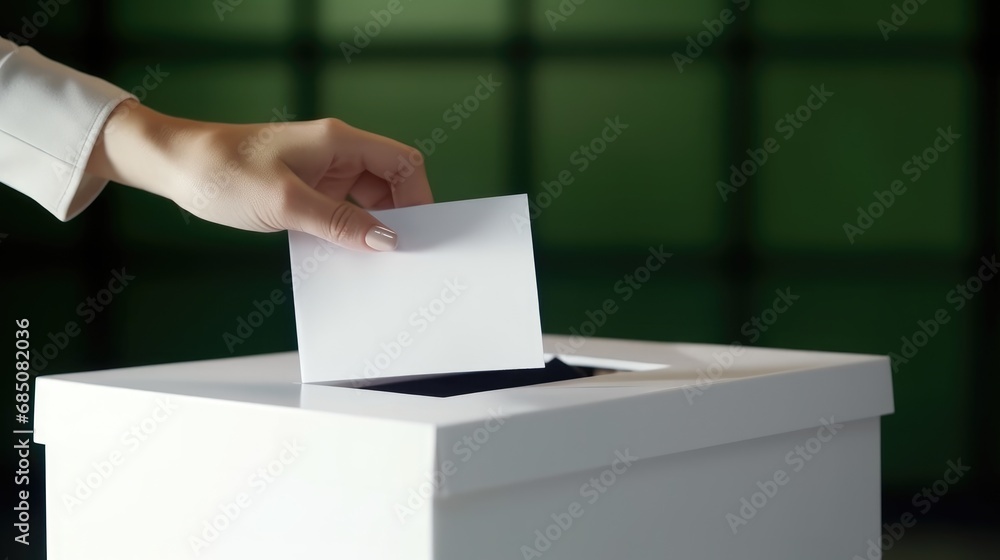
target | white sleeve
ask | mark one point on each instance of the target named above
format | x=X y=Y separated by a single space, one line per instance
x=50 y=118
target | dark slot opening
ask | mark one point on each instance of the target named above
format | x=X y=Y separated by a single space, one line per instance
x=476 y=382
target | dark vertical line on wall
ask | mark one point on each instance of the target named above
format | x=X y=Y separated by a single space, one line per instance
x=739 y=263
x=521 y=56
x=986 y=338
x=105 y=252
x=307 y=63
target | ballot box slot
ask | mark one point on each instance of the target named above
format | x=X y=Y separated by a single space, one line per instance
x=455 y=384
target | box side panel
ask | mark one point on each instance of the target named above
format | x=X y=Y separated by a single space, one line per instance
x=579 y=438
x=805 y=494
x=220 y=480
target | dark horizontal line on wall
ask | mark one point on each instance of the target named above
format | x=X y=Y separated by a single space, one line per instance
x=47 y=258
x=862 y=50
x=909 y=262
x=886 y=264
x=218 y=51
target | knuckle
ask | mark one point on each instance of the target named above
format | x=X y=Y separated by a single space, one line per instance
x=414 y=156
x=340 y=222
x=333 y=128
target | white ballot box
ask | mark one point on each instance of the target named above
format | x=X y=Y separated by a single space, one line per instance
x=646 y=451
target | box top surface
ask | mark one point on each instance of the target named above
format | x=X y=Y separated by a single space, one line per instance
x=679 y=397
x=273 y=379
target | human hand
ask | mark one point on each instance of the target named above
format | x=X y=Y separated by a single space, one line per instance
x=266 y=177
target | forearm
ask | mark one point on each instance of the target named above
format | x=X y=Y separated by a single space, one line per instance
x=64 y=135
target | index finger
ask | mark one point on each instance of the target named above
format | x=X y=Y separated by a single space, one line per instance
x=401 y=166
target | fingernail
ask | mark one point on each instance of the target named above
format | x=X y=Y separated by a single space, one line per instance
x=381 y=239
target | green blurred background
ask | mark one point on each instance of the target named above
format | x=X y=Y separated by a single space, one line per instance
x=655 y=185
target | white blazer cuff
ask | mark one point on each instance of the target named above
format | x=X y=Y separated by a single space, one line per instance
x=50 y=118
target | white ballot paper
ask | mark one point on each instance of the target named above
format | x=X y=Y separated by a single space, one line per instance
x=457 y=295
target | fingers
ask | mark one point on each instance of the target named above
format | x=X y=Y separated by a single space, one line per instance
x=337 y=221
x=401 y=166
x=372 y=192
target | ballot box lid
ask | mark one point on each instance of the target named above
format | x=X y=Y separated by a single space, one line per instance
x=640 y=398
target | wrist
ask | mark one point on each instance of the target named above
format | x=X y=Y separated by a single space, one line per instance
x=137 y=148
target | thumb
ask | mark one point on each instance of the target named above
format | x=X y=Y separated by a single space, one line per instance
x=337 y=221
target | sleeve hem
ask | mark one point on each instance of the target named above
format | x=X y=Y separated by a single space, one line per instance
x=81 y=189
